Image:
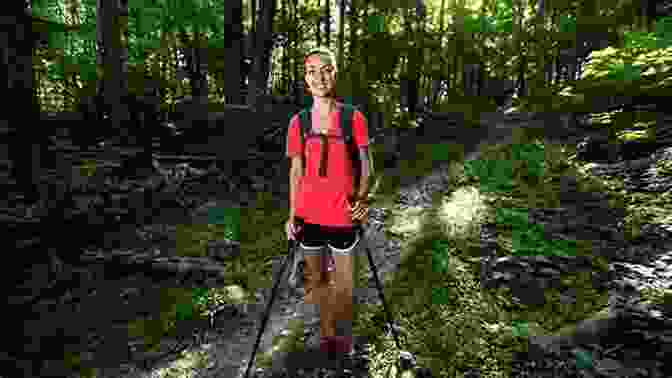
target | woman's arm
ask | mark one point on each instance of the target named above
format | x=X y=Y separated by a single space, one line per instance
x=295 y=173
x=366 y=170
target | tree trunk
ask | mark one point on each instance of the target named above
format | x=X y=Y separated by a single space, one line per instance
x=113 y=60
x=412 y=70
x=318 y=26
x=284 y=67
x=195 y=65
x=162 y=65
x=540 y=48
x=200 y=69
x=327 y=22
x=455 y=69
x=253 y=17
x=362 y=84
x=420 y=52
x=521 y=86
x=481 y=79
x=263 y=49
x=16 y=72
x=296 y=61
x=341 y=33
x=354 y=26
x=233 y=45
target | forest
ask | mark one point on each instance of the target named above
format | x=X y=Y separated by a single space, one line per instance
x=151 y=134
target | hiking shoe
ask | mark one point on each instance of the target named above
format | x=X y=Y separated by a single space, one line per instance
x=325 y=344
x=341 y=345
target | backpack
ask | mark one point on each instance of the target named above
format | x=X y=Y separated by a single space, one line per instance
x=347 y=112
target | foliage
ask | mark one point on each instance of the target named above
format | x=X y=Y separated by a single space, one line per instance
x=661 y=38
x=664 y=167
x=192 y=239
x=487 y=34
x=497 y=175
x=477 y=328
x=262 y=238
x=661 y=297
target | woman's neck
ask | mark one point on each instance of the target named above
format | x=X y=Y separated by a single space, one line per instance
x=324 y=105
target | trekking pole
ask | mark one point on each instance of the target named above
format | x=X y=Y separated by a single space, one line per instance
x=292 y=250
x=379 y=286
x=406 y=359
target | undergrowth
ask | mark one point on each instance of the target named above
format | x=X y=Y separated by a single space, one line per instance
x=449 y=322
x=454 y=325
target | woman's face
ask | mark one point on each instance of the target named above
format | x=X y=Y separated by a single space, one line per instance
x=320 y=75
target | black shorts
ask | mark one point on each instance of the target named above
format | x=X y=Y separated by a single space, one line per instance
x=340 y=240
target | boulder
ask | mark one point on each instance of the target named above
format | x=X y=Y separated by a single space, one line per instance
x=598 y=148
x=221 y=250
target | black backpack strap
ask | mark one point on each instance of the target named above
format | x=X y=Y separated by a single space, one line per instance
x=347 y=115
x=305 y=124
x=346 y=123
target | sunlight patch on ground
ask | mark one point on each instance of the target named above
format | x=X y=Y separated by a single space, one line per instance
x=407 y=221
x=462 y=210
x=187 y=366
x=235 y=293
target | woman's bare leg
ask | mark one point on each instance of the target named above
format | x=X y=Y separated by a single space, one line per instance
x=318 y=291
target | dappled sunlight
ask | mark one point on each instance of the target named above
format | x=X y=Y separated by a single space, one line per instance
x=407 y=221
x=188 y=365
x=235 y=293
x=462 y=210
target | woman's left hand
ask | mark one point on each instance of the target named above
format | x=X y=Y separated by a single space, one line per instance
x=360 y=211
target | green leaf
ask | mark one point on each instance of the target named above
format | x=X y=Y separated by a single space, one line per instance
x=440 y=295
x=584 y=359
x=520 y=329
x=567 y=24
x=184 y=311
x=376 y=23
x=439 y=263
x=504 y=26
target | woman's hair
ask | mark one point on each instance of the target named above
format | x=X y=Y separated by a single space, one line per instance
x=321 y=51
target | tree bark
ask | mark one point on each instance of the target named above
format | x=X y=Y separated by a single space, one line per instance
x=540 y=53
x=233 y=45
x=177 y=264
x=16 y=72
x=318 y=26
x=327 y=22
x=263 y=49
x=423 y=80
x=413 y=64
x=341 y=33
x=284 y=69
x=253 y=17
x=198 y=77
x=113 y=60
x=521 y=87
x=354 y=26
x=296 y=61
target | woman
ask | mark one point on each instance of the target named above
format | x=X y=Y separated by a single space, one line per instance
x=325 y=203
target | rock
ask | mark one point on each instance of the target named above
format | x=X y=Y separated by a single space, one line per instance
x=633 y=150
x=598 y=148
x=221 y=250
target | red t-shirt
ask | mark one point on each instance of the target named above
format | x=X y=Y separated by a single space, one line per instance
x=324 y=200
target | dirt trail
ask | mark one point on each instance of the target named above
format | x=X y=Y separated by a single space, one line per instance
x=229 y=356
x=228 y=346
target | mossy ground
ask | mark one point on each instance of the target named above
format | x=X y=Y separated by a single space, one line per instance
x=452 y=324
